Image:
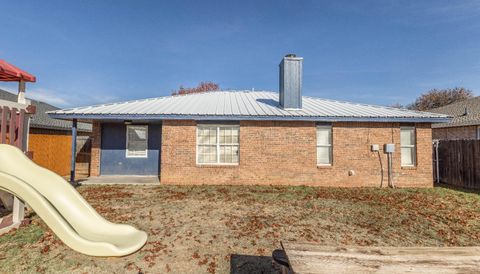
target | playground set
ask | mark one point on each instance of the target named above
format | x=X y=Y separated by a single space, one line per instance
x=61 y=207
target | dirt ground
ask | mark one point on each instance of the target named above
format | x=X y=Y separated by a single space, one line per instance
x=233 y=229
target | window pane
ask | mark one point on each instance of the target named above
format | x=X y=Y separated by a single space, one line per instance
x=324 y=136
x=229 y=154
x=137 y=133
x=207 y=154
x=324 y=155
x=235 y=132
x=408 y=156
x=207 y=135
x=407 y=137
x=228 y=135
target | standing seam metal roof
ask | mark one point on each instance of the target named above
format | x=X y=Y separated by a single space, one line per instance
x=258 y=105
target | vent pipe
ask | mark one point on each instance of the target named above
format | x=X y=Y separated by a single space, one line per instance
x=291 y=82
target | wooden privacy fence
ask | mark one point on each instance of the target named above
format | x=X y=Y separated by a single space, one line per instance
x=12 y=126
x=459 y=163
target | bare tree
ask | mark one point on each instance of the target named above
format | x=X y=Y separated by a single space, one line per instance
x=440 y=97
x=202 y=87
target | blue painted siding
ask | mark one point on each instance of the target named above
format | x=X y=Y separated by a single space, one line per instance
x=113 y=160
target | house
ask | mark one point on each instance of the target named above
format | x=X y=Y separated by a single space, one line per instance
x=49 y=140
x=465 y=124
x=259 y=137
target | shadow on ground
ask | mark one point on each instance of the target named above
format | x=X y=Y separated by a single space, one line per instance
x=243 y=264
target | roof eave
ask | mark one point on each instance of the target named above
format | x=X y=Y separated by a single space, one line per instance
x=79 y=129
x=248 y=118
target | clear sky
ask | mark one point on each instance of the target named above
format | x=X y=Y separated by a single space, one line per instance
x=379 y=52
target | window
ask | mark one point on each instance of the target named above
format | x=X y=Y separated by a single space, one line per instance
x=217 y=144
x=478 y=132
x=324 y=145
x=137 y=139
x=407 y=146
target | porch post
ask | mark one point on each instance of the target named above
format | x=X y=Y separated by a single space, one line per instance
x=74 y=151
x=21 y=92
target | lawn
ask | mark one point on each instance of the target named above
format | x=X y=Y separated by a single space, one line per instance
x=209 y=229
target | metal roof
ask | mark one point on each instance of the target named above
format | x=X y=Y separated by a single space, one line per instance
x=41 y=119
x=464 y=113
x=243 y=105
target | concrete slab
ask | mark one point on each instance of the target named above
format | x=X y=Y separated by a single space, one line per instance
x=120 y=180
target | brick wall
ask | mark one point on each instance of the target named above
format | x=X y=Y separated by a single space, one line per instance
x=455 y=133
x=285 y=153
x=96 y=149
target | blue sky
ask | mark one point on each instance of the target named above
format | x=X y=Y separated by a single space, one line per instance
x=379 y=52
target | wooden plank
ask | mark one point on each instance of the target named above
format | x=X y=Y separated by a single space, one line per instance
x=51 y=150
x=3 y=125
x=11 y=127
x=21 y=125
x=459 y=163
x=312 y=258
x=11 y=104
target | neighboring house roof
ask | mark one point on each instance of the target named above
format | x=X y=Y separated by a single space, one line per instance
x=41 y=119
x=463 y=113
x=243 y=105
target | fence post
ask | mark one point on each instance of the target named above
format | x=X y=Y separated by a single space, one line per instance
x=20 y=129
x=3 y=132
x=13 y=116
x=74 y=151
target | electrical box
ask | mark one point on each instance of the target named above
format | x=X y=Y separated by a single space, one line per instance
x=389 y=148
x=375 y=147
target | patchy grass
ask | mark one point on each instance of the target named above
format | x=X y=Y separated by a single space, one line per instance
x=198 y=229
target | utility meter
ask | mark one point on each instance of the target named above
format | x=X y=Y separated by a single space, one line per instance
x=389 y=148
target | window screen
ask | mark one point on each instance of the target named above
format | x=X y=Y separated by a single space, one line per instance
x=137 y=139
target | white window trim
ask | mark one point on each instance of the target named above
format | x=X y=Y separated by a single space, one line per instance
x=218 y=126
x=127 y=155
x=414 y=146
x=329 y=145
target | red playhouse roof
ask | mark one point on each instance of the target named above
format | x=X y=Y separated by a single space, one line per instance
x=10 y=73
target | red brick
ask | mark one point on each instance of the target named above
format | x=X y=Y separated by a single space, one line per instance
x=285 y=153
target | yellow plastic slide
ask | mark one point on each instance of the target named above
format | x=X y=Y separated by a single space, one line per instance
x=63 y=209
